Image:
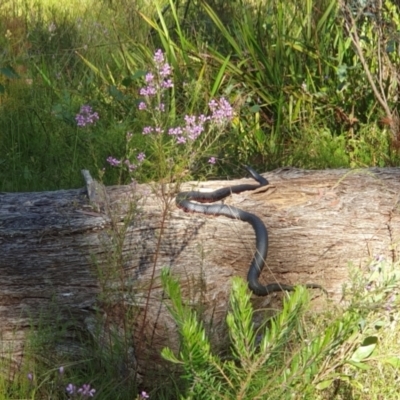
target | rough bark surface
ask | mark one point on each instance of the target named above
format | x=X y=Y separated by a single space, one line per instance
x=67 y=254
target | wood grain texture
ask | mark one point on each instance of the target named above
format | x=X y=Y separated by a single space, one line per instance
x=59 y=251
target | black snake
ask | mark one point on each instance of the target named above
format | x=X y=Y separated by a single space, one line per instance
x=183 y=201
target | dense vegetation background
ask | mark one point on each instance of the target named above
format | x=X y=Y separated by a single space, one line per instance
x=313 y=84
x=268 y=83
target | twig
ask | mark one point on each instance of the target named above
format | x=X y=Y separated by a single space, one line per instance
x=352 y=31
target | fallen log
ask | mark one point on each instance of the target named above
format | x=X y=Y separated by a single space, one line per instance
x=96 y=254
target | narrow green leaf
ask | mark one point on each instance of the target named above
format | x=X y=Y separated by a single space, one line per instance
x=93 y=68
x=149 y=21
x=218 y=79
x=168 y=355
x=359 y=365
x=198 y=89
x=221 y=26
x=324 y=384
x=44 y=76
x=323 y=19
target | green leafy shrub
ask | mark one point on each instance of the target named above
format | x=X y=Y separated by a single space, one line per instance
x=288 y=356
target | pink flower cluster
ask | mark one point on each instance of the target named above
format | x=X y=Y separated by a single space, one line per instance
x=194 y=126
x=158 y=81
x=86 y=116
x=221 y=113
x=114 y=162
x=149 y=129
x=84 y=391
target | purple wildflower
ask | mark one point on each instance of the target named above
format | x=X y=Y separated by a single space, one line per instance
x=221 y=111
x=165 y=70
x=149 y=77
x=86 y=116
x=202 y=118
x=156 y=81
x=86 y=391
x=160 y=107
x=71 y=389
x=193 y=127
x=144 y=395
x=130 y=166
x=212 y=160
x=175 y=131
x=148 y=91
x=30 y=376
x=158 y=57
x=141 y=157
x=61 y=370
x=190 y=119
x=167 y=84
x=147 y=130
x=113 y=161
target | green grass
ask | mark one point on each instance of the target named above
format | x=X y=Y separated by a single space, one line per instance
x=289 y=70
x=301 y=97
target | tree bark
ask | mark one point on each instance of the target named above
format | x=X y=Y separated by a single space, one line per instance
x=72 y=253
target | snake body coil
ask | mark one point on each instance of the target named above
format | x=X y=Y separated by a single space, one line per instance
x=183 y=201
